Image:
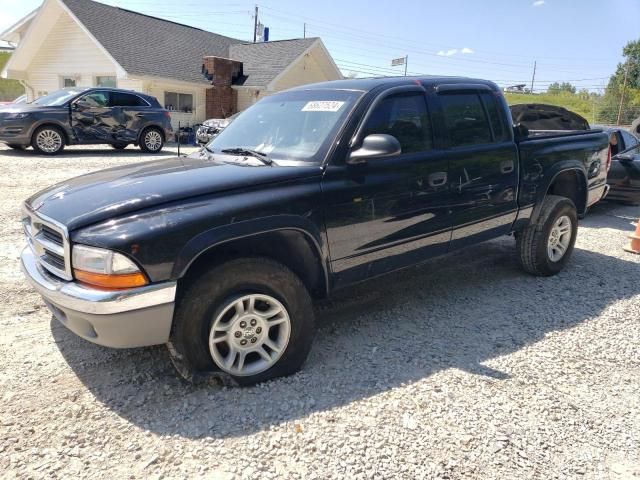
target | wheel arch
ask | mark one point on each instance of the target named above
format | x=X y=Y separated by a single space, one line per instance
x=568 y=181
x=295 y=247
x=148 y=126
x=51 y=123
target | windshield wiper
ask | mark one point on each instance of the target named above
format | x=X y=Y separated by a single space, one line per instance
x=263 y=157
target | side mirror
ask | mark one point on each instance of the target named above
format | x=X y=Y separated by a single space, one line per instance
x=80 y=105
x=520 y=131
x=376 y=145
x=624 y=157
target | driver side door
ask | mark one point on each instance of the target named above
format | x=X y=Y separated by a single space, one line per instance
x=92 y=119
x=386 y=213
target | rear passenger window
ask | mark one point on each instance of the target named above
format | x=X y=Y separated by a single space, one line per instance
x=500 y=132
x=405 y=117
x=119 y=99
x=465 y=119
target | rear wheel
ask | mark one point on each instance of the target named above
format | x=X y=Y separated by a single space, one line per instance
x=151 y=140
x=247 y=321
x=119 y=146
x=546 y=246
x=48 y=140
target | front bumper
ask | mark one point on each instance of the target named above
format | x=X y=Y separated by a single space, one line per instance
x=136 y=317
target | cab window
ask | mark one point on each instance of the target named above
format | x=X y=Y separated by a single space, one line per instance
x=405 y=117
x=465 y=119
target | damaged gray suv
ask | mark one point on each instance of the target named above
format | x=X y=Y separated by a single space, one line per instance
x=81 y=116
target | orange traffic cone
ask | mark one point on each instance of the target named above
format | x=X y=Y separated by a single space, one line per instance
x=634 y=246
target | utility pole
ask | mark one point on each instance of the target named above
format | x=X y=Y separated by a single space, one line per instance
x=534 y=75
x=624 y=86
x=304 y=30
x=255 y=25
x=406 y=61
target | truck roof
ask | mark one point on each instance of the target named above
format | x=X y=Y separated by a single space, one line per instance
x=367 y=84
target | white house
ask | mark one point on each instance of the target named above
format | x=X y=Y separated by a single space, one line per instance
x=195 y=73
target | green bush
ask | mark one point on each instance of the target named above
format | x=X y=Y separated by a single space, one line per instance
x=9 y=89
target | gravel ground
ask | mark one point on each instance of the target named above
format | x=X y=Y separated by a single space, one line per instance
x=464 y=368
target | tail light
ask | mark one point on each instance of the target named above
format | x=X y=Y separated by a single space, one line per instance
x=609 y=159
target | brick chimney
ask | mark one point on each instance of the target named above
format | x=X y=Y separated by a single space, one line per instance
x=221 y=99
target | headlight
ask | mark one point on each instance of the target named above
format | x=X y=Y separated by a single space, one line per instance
x=16 y=116
x=104 y=268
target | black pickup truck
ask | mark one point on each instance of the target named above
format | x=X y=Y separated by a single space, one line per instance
x=220 y=254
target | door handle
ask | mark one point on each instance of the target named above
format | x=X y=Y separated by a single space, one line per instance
x=506 y=166
x=437 y=179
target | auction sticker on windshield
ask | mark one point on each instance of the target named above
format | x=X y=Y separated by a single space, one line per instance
x=322 y=106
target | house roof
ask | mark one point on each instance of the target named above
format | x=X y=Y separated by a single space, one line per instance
x=145 y=45
x=150 y=46
x=263 y=62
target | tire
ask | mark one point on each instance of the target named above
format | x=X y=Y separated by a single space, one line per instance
x=16 y=147
x=151 y=140
x=48 y=140
x=119 y=146
x=207 y=323
x=540 y=244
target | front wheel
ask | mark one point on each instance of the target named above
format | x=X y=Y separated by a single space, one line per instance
x=546 y=246
x=248 y=320
x=48 y=140
x=151 y=140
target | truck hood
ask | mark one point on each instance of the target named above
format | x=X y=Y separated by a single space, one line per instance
x=113 y=192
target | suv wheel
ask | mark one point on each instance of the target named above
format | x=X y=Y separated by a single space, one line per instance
x=151 y=140
x=545 y=248
x=245 y=321
x=48 y=140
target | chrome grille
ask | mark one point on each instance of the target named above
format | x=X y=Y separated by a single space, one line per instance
x=50 y=243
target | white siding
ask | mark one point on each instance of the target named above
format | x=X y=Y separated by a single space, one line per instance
x=157 y=88
x=67 y=51
x=131 y=84
x=305 y=70
x=246 y=98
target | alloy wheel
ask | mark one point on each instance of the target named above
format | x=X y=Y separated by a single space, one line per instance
x=559 y=238
x=49 y=141
x=249 y=335
x=153 y=140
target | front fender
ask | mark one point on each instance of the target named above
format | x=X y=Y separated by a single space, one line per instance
x=218 y=236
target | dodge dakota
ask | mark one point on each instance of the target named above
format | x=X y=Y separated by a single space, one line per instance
x=221 y=254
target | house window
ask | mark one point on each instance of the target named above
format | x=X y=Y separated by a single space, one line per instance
x=68 y=82
x=181 y=102
x=106 y=81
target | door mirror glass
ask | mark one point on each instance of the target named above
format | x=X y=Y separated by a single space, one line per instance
x=376 y=145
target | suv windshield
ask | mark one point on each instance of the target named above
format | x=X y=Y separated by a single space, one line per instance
x=297 y=126
x=58 y=98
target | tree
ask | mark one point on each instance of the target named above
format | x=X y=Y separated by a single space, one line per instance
x=556 y=88
x=614 y=92
x=9 y=89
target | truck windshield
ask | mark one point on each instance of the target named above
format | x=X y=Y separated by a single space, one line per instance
x=294 y=126
x=58 y=98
